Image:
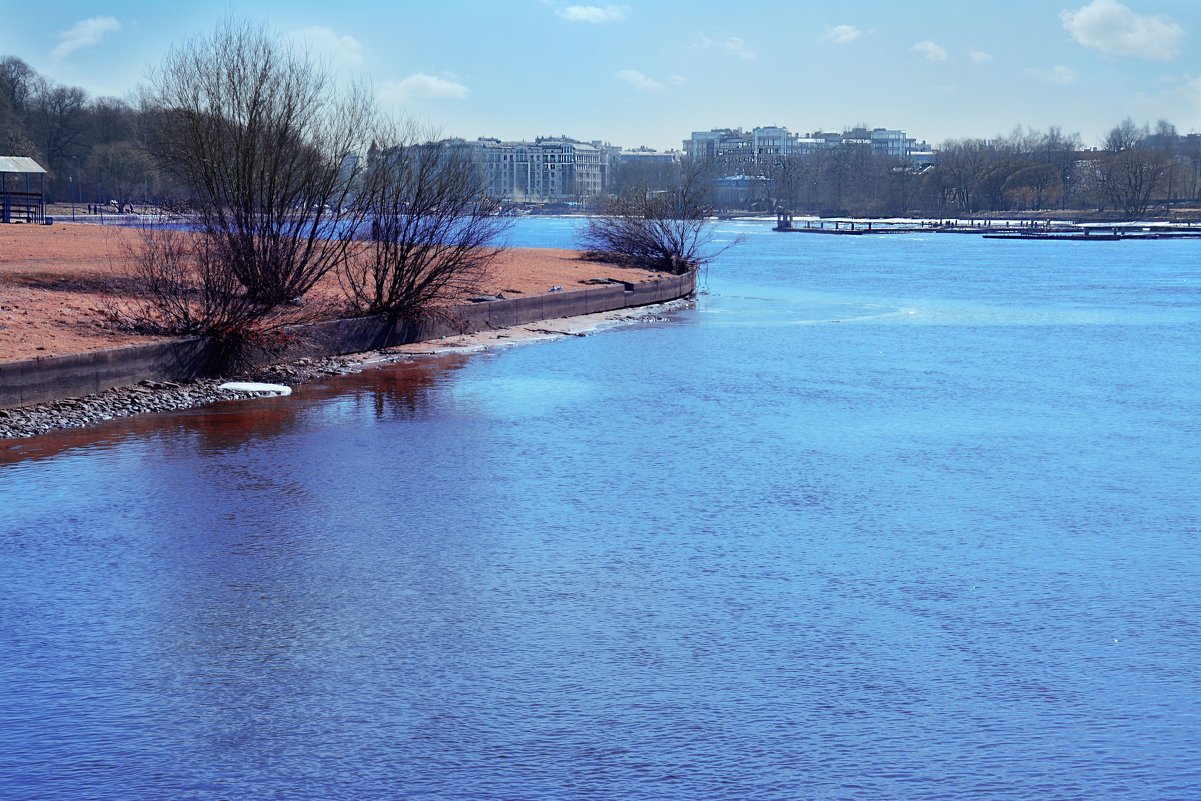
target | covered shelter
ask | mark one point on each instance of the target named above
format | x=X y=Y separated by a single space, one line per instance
x=22 y=190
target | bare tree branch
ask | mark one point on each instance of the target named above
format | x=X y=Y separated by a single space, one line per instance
x=668 y=230
x=269 y=148
x=433 y=231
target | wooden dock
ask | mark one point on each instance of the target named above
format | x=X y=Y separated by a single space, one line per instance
x=786 y=223
x=1103 y=234
x=990 y=229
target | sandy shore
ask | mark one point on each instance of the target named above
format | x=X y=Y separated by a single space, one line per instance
x=54 y=279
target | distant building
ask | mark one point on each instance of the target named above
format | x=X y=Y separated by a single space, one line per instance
x=730 y=144
x=547 y=170
x=647 y=155
x=922 y=156
x=891 y=144
x=734 y=145
x=884 y=142
x=769 y=143
x=642 y=168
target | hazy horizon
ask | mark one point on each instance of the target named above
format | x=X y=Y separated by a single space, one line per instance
x=632 y=74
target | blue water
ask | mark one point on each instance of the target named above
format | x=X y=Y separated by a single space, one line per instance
x=881 y=518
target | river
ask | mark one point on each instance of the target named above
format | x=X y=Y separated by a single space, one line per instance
x=883 y=517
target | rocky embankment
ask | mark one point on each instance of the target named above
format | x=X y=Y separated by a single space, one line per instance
x=167 y=396
x=155 y=396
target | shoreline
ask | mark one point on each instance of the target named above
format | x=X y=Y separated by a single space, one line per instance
x=62 y=285
x=63 y=368
x=153 y=397
x=51 y=379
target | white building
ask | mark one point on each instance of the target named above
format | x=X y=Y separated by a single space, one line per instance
x=547 y=170
x=648 y=155
x=891 y=144
x=764 y=143
x=730 y=144
x=771 y=142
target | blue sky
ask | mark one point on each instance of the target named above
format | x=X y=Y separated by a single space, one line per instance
x=636 y=73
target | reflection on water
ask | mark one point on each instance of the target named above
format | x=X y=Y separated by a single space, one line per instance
x=397 y=390
x=941 y=555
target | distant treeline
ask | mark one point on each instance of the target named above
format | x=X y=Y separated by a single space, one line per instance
x=95 y=150
x=1134 y=169
x=92 y=148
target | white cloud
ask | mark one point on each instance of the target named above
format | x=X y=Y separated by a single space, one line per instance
x=422 y=85
x=843 y=34
x=594 y=14
x=342 y=51
x=677 y=79
x=1064 y=75
x=737 y=47
x=1176 y=94
x=734 y=45
x=929 y=51
x=1112 y=28
x=979 y=56
x=1178 y=85
x=1192 y=90
x=84 y=34
x=640 y=82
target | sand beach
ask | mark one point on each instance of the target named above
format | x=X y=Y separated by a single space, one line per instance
x=57 y=280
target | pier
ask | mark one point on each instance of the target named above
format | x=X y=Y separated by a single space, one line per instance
x=988 y=228
x=786 y=223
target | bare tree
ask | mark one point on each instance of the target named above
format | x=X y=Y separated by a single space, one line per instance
x=122 y=169
x=111 y=119
x=1126 y=135
x=787 y=175
x=1033 y=187
x=18 y=82
x=1060 y=151
x=991 y=184
x=647 y=174
x=269 y=148
x=963 y=163
x=179 y=282
x=180 y=285
x=667 y=231
x=433 y=231
x=1130 y=172
x=57 y=125
x=1131 y=177
x=900 y=189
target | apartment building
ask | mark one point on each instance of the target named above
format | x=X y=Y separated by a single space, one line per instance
x=733 y=145
x=546 y=170
x=768 y=143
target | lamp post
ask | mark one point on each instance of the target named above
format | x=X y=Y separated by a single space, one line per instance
x=71 y=183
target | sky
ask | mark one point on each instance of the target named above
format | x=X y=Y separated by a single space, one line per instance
x=649 y=73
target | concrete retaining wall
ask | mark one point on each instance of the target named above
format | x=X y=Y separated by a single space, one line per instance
x=55 y=377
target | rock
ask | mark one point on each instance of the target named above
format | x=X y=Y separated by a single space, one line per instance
x=153 y=396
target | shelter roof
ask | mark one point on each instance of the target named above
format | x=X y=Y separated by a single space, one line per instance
x=20 y=164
